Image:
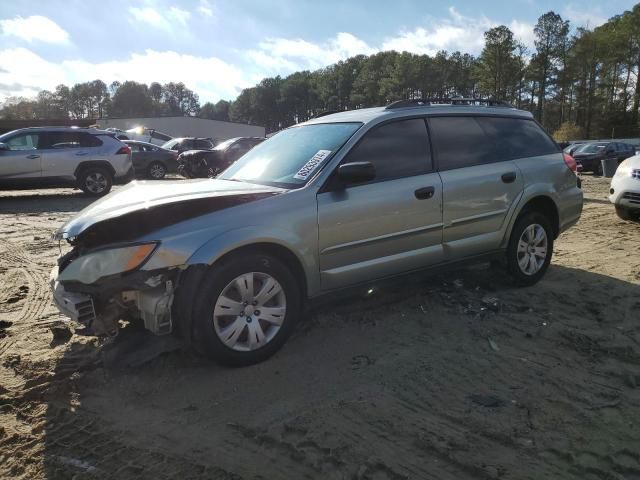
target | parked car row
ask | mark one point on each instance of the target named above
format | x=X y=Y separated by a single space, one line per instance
x=210 y=163
x=142 y=134
x=590 y=155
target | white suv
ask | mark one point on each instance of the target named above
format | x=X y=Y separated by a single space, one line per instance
x=86 y=158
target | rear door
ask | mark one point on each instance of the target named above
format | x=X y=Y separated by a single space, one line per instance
x=481 y=182
x=65 y=150
x=390 y=225
x=24 y=157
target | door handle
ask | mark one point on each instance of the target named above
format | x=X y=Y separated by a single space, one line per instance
x=32 y=156
x=424 y=193
x=508 y=177
x=80 y=154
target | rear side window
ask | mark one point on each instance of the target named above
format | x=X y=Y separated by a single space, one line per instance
x=398 y=149
x=72 y=140
x=88 y=140
x=467 y=141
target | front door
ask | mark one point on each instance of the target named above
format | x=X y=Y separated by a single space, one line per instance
x=23 y=160
x=390 y=225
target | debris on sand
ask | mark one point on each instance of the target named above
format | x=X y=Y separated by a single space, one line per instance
x=493 y=344
x=492 y=303
x=61 y=335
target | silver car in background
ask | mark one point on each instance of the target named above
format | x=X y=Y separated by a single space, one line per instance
x=336 y=202
x=85 y=158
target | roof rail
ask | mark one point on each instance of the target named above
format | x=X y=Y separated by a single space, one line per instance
x=420 y=102
x=325 y=113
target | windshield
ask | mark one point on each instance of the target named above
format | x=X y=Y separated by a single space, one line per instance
x=171 y=143
x=291 y=157
x=590 y=148
x=225 y=144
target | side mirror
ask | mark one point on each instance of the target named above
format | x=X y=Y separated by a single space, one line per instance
x=4 y=147
x=356 y=172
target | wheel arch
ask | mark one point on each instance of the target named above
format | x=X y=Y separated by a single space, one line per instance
x=545 y=205
x=83 y=166
x=190 y=279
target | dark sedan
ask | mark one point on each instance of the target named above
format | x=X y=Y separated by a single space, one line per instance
x=152 y=161
x=209 y=163
x=590 y=155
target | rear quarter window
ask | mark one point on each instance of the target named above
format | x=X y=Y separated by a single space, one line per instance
x=88 y=140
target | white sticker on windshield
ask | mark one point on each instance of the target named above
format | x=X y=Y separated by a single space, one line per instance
x=311 y=165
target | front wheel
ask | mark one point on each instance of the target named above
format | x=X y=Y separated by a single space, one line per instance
x=530 y=248
x=246 y=308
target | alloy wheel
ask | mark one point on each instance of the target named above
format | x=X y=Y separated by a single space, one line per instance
x=157 y=171
x=96 y=182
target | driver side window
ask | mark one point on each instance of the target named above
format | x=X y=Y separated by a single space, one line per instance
x=24 y=141
x=396 y=150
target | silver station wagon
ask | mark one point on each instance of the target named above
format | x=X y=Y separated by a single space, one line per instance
x=339 y=201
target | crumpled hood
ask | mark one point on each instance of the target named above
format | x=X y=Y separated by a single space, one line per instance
x=147 y=205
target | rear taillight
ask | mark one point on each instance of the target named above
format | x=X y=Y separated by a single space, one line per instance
x=124 y=151
x=571 y=163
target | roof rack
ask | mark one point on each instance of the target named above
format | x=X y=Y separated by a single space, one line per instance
x=421 y=102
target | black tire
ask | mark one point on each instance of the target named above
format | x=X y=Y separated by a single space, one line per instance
x=217 y=278
x=598 y=170
x=95 y=181
x=156 y=171
x=624 y=213
x=523 y=222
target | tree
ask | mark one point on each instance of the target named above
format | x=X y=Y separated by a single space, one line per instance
x=218 y=111
x=179 y=100
x=498 y=67
x=131 y=99
x=551 y=34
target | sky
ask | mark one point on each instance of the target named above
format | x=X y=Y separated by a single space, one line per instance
x=217 y=47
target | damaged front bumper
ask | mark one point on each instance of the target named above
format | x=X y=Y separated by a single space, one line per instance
x=143 y=295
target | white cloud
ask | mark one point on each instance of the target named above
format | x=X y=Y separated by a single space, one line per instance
x=35 y=28
x=211 y=78
x=458 y=32
x=166 y=20
x=580 y=17
x=282 y=54
x=179 y=15
x=205 y=8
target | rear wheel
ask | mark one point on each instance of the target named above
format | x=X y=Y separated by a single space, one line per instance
x=96 y=181
x=157 y=171
x=246 y=308
x=530 y=248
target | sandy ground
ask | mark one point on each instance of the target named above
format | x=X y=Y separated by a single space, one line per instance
x=455 y=376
